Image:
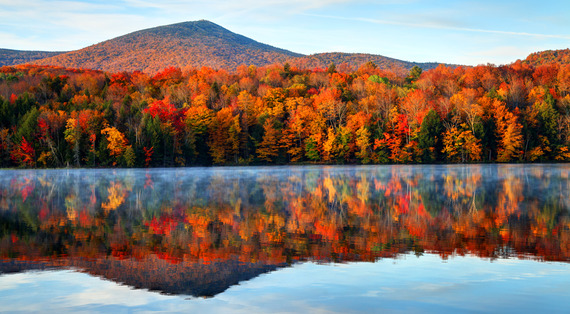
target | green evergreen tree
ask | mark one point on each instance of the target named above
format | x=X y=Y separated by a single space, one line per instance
x=429 y=140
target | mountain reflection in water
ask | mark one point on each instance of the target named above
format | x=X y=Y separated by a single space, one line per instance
x=198 y=231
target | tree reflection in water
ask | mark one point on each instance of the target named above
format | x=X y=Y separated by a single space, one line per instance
x=197 y=231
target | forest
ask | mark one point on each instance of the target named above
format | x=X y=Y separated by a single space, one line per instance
x=281 y=114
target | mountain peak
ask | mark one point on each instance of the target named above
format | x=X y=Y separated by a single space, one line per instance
x=191 y=25
x=194 y=44
x=184 y=45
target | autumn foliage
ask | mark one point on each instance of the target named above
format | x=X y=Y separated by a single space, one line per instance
x=317 y=214
x=281 y=114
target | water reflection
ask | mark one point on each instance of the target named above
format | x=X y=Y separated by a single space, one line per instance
x=198 y=231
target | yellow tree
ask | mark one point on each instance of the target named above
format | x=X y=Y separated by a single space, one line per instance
x=117 y=143
x=274 y=102
x=292 y=141
x=508 y=132
x=329 y=105
x=379 y=99
x=249 y=108
x=224 y=136
x=198 y=120
x=72 y=135
x=466 y=103
x=297 y=130
x=269 y=147
x=329 y=145
x=363 y=144
x=563 y=79
x=460 y=145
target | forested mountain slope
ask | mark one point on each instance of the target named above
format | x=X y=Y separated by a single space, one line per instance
x=11 y=57
x=183 y=45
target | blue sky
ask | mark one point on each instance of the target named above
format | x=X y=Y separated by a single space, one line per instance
x=463 y=32
x=406 y=284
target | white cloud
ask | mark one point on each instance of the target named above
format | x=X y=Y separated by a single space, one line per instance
x=110 y=293
x=65 y=25
x=435 y=24
x=447 y=33
x=69 y=25
x=12 y=281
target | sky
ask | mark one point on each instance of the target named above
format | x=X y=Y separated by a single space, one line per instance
x=413 y=284
x=459 y=32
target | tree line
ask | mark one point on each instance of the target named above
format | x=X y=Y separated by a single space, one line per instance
x=280 y=114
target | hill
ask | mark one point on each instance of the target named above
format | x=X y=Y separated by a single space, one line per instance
x=11 y=57
x=188 y=44
x=561 y=56
x=203 y=43
x=355 y=60
x=198 y=44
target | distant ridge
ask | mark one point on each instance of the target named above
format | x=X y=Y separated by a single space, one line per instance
x=355 y=60
x=561 y=56
x=11 y=57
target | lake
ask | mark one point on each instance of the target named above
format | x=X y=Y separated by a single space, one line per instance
x=452 y=238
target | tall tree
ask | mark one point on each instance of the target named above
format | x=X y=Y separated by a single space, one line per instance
x=509 y=134
x=429 y=137
x=269 y=148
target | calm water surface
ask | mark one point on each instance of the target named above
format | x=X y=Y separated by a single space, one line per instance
x=485 y=238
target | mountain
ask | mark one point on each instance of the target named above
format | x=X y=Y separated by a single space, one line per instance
x=197 y=44
x=355 y=60
x=203 y=43
x=11 y=57
x=188 y=44
x=548 y=56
